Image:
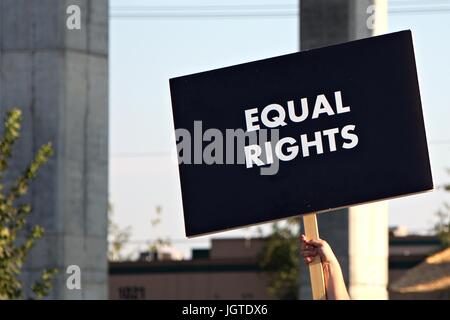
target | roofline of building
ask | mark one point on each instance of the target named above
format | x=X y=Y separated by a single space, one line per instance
x=185 y=266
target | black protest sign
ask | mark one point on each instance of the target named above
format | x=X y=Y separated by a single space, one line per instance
x=300 y=133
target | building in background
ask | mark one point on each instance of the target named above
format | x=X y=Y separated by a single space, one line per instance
x=407 y=251
x=230 y=270
x=59 y=79
x=360 y=233
x=429 y=279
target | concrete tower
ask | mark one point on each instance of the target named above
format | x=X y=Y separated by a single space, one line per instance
x=58 y=76
x=358 y=235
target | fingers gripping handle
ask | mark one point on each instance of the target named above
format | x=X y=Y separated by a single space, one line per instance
x=315 y=267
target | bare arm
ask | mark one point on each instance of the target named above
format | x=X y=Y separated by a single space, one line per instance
x=334 y=280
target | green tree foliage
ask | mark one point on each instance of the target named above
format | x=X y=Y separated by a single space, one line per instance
x=17 y=237
x=159 y=242
x=280 y=259
x=118 y=238
x=442 y=226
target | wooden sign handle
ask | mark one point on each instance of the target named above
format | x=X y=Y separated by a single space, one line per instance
x=315 y=267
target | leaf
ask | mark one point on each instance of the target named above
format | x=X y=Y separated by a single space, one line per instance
x=13 y=215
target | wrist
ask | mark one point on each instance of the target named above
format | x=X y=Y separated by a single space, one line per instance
x=332 y=261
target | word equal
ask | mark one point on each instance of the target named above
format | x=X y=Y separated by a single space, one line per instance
x=286 y=149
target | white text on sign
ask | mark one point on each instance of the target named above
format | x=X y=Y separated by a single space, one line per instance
x=275 y=116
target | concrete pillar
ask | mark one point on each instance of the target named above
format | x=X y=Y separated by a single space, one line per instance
x=358 y=235
x=59 y=78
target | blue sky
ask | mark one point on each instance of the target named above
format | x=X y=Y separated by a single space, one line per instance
x=145 y=53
